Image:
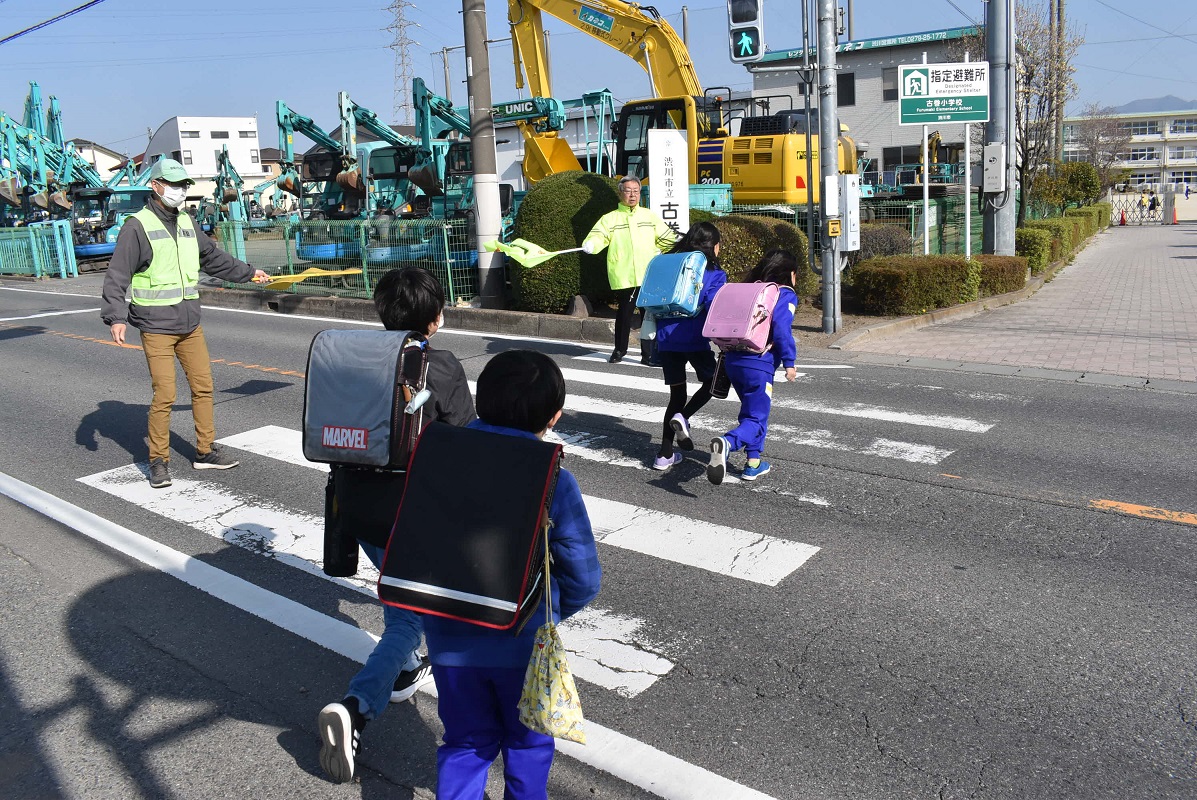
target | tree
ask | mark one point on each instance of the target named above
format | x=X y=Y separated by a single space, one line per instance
x=1082 y=186
x=1098 y=138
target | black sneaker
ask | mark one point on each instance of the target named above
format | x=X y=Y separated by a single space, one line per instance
x=216 y=458
x=616 y=357
x=409 y=682
x=340 y=726
x=159 y=474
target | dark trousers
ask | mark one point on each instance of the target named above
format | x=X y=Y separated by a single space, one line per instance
x=623 y=317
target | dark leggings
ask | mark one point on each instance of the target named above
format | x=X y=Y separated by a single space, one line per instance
x=623 y=317
x=678 y=404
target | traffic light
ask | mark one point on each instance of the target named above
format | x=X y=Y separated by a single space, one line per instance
x=745 y=30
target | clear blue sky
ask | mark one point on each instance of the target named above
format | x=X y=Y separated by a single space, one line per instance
x=126 y=65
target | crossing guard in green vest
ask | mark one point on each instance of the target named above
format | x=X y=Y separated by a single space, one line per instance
x=152 y=283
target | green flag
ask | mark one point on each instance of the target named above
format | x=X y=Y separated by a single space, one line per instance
x=526 y=253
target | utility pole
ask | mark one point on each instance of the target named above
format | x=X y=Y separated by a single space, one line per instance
x=1061 y=81
x=1000 y=205
x=829 y=166
x=686 y=27
x=487 y=213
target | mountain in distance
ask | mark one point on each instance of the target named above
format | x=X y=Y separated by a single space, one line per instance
x=1156 y=104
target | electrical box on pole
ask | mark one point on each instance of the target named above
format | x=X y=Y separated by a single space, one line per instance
x=994 y=168
x=746 y=30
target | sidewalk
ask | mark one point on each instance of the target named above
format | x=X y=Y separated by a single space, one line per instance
x=1127 y=306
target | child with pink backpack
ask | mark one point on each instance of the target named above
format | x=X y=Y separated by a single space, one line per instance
x=753 y=349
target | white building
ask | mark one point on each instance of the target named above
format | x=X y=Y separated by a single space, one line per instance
x=1162 y=149
x=105 y=161
x=195 y=142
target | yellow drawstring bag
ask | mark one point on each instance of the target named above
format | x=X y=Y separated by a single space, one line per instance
x=549 y=703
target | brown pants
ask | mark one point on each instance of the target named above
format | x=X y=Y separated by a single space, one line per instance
x=161 y=350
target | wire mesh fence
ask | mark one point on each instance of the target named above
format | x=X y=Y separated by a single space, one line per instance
x=945 y=221
x=443 y=247
x=43 y=249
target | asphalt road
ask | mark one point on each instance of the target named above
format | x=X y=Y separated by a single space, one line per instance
x=979 y=619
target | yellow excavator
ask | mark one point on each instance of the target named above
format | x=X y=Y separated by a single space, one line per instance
x=766 y=163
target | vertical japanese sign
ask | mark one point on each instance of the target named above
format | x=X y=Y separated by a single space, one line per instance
x=669 y=177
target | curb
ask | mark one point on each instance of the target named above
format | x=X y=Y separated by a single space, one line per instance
x=514 y=323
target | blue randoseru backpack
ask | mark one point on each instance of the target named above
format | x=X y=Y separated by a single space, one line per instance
x=672 y=285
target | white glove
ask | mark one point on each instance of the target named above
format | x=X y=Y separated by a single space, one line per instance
x=588 y=247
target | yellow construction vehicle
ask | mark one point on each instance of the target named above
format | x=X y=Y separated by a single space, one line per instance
x=766 y=163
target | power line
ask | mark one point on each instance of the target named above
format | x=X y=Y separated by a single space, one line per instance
x=1148 y=24
x=963 y=14
x=51 y=21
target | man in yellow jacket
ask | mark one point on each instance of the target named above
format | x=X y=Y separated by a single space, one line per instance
x=631 y=235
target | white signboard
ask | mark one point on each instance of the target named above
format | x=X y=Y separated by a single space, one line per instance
x=929 y=94
x=669 y=177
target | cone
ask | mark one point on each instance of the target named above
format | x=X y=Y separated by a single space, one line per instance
x=1123 y=220
x=1175 y=221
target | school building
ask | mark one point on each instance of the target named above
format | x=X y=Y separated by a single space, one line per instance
x=1162 y=151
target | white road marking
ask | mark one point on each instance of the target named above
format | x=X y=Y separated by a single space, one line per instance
x=52 y=314
x=696 y=543
x=43 y=291
x=616 y=657
x=883 y=448
x=589 y=446
x=626 y=758
x=717 y=548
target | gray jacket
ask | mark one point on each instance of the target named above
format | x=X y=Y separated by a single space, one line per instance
x=133 y=254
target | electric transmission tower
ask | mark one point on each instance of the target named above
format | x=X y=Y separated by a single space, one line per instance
x=401 y=45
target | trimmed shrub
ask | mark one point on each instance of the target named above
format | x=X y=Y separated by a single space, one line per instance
x=1061 y=232
x=879 y=239
x=1105 y=212
x=1001 y=274
x=557 y=214
x=744 y=238
x=1091 y=216
x=900 y=285
x=1035 y=245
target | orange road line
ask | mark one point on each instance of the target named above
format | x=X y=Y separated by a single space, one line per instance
x=126 y=346
x=1147 y=512
x=946 y=475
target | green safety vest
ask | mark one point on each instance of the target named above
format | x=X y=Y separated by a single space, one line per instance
x=173 y=274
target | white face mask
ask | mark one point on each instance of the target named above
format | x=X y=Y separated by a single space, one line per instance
x=173 y=196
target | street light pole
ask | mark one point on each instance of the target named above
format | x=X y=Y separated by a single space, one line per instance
x=487 y=211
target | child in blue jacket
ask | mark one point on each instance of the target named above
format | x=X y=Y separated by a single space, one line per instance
x=680 y=342
x=480 y=671
x=751 y=374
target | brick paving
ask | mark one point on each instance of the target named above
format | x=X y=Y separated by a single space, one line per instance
x=1126 y=306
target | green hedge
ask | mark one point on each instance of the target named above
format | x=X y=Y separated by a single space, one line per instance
x=1035 y=245
x=744 y=238
x=881 y=239
x=1001 y=274
x=1088 y=217
x=901 y=285
x=557 y=214
x=1062 y=234
x=1105 y=212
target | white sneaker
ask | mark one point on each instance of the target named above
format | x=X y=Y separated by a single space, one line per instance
x=717 y=468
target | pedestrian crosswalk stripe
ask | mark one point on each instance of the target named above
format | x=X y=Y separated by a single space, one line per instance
x=613 y=654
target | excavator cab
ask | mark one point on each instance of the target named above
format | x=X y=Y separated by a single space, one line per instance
x=637 y=118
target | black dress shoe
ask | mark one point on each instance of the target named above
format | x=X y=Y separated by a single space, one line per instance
x=616 y=357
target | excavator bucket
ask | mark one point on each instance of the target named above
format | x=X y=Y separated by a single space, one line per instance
x=41 y=200
x=351 y=181
x=60 y=199
x=290 y=184
x=425 y=178
x=10 y=191
x=545 y=155
x=228 y=195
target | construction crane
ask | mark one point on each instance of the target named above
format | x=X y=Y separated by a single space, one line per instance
x=766 y=163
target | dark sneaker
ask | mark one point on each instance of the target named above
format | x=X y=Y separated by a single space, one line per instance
x=718 y=466
x=410 y=681
x=159 y=474
x=751 y=473
x=681 y=432
x=340 y=727
x=616 y=357
x=216 y=458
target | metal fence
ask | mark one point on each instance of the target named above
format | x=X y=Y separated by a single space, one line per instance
x=43 y=249
x=945 y=218
x=443 y=247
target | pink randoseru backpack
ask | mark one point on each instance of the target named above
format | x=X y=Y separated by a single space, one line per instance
x=741 y=315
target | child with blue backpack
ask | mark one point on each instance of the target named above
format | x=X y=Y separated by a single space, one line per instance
x=751 y=374
x=680 y=342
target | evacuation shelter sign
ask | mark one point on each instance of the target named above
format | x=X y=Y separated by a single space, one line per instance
x=930 y=94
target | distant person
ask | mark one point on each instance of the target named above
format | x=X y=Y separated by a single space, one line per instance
x=631 y=235
x=1153 y=203
x=751 y=374
x=480 y=671
x=1186 y=191
x=159 y=256
x=680 y=342
x=407 y=300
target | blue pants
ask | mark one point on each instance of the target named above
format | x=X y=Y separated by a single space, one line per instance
x=755 y=390
x=479 y=709
x=395 y=652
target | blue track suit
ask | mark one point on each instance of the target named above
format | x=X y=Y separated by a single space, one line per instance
x=480 y=671
x=752 y=377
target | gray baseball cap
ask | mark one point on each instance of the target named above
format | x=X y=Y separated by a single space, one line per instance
x=169 y=170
